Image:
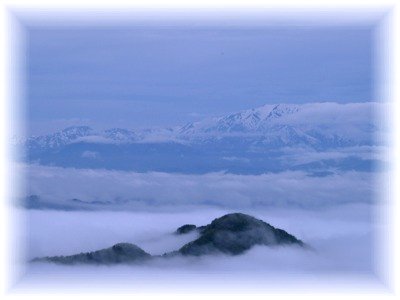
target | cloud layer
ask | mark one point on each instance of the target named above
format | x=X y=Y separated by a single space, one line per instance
x=333 y=214
x=341 y=238
x=112 y=189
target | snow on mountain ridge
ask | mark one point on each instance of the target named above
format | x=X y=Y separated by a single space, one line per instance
x=251 y=120
x=282 y=124
x=77 y=134
x=282 y=109
x=60 y=138
x=327 y=118
x=120 y=134
x=245 y=120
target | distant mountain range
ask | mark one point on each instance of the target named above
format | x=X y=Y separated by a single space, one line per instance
x=249 y=141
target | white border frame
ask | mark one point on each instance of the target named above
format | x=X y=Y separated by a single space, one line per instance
x=11 y=35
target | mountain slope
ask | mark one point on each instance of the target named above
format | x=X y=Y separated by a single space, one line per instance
x=236 y=233
x=246 y=142
x=314 y=123
x=122 y=253
x=231 y=234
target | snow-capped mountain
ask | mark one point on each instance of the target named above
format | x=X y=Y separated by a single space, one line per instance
x=254 y=140
x=86 y=134
x=61 y=138
x=315 y=124
x=261 y=120
x=254 y=120
x=121 y=135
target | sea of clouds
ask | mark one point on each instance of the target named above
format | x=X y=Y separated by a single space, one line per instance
x=341 y=238
x=155 y=190
x=334 y=214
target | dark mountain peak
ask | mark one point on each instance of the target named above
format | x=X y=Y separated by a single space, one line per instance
x=119 y=253
x=236 y=233
x=185 y=229
x=232 y=234
x=235 y=222
x=127 y=248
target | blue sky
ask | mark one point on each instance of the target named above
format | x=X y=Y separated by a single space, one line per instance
x=144 y=76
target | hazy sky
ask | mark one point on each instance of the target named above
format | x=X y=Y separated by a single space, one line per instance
x=154 y=76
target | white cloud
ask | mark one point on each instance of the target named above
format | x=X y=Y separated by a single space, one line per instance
x=341 y=237
x=298 y=155
x=333 y=214
x=154 y=190
x=350 y=120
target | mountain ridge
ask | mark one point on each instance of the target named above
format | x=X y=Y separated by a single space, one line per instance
x=251 y=141
x=230 y=234
x=287 y=122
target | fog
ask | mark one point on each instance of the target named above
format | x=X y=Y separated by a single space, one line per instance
x=154 y=190
x=331 y=214
x=339 y=236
